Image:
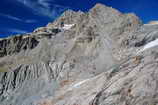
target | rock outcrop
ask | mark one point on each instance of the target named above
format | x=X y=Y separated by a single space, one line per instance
x=81 y=59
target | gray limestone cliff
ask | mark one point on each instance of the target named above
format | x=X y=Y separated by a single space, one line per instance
x=81 y=59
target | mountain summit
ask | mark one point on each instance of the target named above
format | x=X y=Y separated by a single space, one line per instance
x=100 y=57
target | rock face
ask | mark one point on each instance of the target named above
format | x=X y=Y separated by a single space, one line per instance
x=93 y=62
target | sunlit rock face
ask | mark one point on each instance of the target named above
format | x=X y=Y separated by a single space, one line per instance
x=81 y=58
x=153 y=22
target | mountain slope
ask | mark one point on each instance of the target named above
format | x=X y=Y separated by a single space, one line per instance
x=81 y=59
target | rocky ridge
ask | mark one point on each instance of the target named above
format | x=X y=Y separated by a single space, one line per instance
x=81 y=59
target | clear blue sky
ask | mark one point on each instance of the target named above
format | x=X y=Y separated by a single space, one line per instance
x=20 y=16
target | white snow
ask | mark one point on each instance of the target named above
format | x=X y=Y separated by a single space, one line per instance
x=79 y=83
x=68 y=26
x=149 y=45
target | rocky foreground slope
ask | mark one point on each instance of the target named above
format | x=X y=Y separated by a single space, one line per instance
x=82 y=58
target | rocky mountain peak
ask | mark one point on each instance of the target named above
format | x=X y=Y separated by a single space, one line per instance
x=153 y=22
x=68 y=17
x=101 y=57
x=102 y=9
x=134 y=19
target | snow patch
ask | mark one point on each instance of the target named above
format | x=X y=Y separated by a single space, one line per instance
x=80 y=83
x=68 y=26
x=149 y=45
